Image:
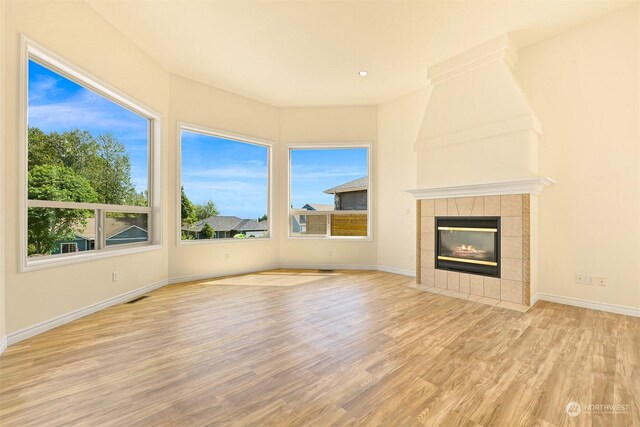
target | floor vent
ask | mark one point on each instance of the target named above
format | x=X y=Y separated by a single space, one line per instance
x=137 y=299
x=325 y=271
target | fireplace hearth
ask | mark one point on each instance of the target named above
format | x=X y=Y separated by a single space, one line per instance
x=468 y=245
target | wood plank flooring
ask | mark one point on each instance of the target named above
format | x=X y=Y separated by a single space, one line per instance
x=307 y=348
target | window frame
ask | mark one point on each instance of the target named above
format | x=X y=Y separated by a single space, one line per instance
x=30 y=50
x=204 y=130
x=369 y=211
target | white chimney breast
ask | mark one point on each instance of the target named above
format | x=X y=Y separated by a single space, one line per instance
x=478 y=125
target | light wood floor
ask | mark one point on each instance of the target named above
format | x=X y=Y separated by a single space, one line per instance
x=309 y=348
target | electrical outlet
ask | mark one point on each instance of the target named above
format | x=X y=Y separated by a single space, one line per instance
x=227 y=257
x=330 y=252
x=601 y=281
x=580 y=278
x=589 y=280
x=114 y=276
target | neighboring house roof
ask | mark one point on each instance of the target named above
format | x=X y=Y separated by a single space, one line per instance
x=133 y=231
x=228 y=223
x=113 y=226
x=355 y=185
x=251 y=225
x=218 y=223
x=318 y=207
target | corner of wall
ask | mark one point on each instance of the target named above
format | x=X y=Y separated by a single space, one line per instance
x=3 y=337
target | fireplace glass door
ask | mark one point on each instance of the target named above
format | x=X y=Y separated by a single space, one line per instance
x=468 y=244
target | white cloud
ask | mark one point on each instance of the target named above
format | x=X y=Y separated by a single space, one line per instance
x=228 y=172
x=219 y=186
x=72 y=115
x=43 y=86
x=313 y=172
x=84 y=110
x=240 y=198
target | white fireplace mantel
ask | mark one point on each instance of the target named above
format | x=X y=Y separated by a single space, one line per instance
x=498 y=188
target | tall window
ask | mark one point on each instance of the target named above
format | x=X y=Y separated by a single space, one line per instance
x=224 y=187
x=88 y=165
x=329 y=192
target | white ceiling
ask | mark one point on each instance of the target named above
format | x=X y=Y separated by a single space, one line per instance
x=301 y=53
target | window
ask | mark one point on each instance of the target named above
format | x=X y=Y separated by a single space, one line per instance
x=224 y=187
x=89 y=154
x=66 y=248
x=329 y=192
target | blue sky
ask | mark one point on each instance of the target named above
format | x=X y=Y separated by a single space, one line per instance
x=57 y=104
x=316 y=170
x=231 y=173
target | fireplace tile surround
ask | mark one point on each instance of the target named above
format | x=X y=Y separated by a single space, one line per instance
x=512 y=289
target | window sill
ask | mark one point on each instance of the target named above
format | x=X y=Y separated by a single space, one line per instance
x=222 y=241
x=61 y=260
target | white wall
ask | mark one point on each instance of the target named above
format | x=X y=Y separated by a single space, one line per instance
x=198 y=104
x=324 y=125
x=398 y=125
x=584 y=86
x=76 y=32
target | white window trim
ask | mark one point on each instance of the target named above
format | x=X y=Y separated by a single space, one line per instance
x=189 y=127
x=369 y=211
x=32 y=50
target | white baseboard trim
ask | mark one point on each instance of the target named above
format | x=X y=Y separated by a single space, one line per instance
x=534 y=299
x=410 y=273
x=46 y=325
x=593 y=305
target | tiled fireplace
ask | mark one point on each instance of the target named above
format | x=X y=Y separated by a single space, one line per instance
x=511 y=282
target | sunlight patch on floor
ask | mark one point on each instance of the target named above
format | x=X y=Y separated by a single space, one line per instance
x=273 y=278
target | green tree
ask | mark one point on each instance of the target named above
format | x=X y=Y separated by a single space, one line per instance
x=207 y=232
x=139 y=199
x=110 y=172
x=187 y=209
x=75 y=149
x=102 y=160
x=262 y=218
x=48 y=225
x=206 y=210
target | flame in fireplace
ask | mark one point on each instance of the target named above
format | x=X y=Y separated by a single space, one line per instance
x=468 y=250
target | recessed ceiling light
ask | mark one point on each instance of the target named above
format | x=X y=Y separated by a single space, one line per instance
x=363 y=73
